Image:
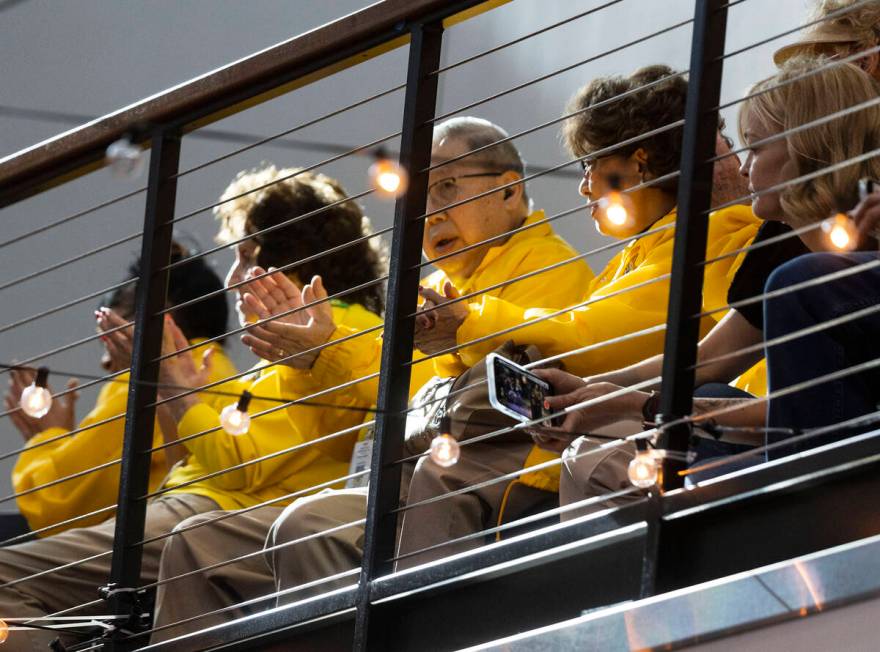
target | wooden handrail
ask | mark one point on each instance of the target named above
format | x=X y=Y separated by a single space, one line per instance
x=335 y=46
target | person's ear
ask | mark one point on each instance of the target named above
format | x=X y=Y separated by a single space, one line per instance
x=639 y=159
x=512 y=194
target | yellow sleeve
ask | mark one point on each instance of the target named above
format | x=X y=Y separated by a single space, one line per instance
x=276 y=427
x=557 y=288
x=633 y=302
x=95 y=445
x=358 y=357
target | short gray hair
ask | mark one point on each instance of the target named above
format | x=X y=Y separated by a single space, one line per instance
x=476 y=133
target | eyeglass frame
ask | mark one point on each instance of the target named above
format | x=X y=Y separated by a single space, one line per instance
x=461 y=176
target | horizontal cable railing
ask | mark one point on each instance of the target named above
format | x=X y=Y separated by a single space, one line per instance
x=325 y=410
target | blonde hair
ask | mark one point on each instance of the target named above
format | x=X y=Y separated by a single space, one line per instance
x=805 y=90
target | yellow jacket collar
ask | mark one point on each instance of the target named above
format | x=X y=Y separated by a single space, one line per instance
x=540 y=231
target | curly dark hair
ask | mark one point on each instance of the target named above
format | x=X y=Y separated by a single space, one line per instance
x=206 y=318
x=640 y=111
x=265 y=197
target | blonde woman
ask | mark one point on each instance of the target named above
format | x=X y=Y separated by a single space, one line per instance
x=803 y=91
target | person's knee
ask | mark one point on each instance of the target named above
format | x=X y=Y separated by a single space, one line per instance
x=185 y=536
x=296 y=521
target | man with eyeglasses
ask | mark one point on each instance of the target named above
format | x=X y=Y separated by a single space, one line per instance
x=482 y=235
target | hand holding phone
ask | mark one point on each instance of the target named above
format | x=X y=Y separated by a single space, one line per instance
x=515 y=391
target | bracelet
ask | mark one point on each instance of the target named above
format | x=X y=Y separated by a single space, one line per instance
x=649 y=410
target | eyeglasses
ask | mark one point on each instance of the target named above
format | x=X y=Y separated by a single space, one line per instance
x=445 y=191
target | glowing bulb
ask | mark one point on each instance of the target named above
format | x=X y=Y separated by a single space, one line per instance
x=4 y=631
x=642 y=470
x=235 y=418
x=388 y=178
x=614 y=207
x=615 y=204
x=125 y=159
x=36 y=398
x=445 y=450
x=841 y=232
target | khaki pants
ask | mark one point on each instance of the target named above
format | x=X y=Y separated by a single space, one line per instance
x=588 y=471
x=327 y=544
x=195 y=555
x=78 y=584
x=428 y=526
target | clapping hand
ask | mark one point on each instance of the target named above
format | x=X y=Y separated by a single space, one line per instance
x=116 y=335
x=439 y=319
x=61 y=414
x=306 y=320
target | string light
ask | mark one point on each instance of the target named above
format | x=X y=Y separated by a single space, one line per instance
x=387 y=177
x=124 y=158
x=642 y=470
x=4 y=631
x=841 y=232
x=36 y=398
x=445 y=450
x=235 y=418
x=616 y=205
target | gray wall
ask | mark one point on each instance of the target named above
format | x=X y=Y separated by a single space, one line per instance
x=92 y=57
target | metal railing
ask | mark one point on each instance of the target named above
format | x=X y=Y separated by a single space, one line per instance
x=162 y=121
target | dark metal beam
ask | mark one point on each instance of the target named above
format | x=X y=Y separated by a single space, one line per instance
x=147 y=346
x=694 y=202
x=403 y=280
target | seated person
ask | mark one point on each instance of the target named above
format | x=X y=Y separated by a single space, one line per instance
x=55 y=451
x=305 y=447
x=486 y=267
x=339 y=550
x=219 y=472
x=854 y=30
x=801 y=93
x=629 y=296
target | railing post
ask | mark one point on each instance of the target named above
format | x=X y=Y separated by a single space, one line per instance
x=147 y=346
x=694 y=202
x=403 y=281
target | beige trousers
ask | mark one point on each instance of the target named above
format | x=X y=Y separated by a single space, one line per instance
x=62 y=588
x=196 y=555
x=588 y=472
x=330 y=536
x=427 y=529
x=210 y=592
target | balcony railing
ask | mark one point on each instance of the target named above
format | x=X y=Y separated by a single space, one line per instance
x=537 y=571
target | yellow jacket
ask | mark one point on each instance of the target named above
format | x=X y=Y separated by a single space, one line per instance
x=524 y=252
x=274 y=428
x=95 y=445
x=621 y=300
x=611 y=310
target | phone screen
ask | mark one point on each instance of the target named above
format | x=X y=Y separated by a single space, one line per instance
x=518 y=392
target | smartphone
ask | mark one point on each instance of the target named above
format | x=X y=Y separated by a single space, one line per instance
x=515 y=391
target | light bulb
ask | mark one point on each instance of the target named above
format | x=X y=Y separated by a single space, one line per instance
x=445 y=450
x=4 y=631
x=642 y=470
x=235 y=418
x=387 y=177
x=841 y=232
x=36 y=399
x=615 y=209
x=615 y=204
x=125 y=159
